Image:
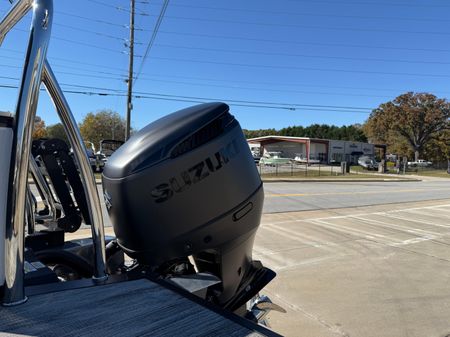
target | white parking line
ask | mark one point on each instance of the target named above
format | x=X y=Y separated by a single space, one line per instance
x=310 y=261
x=311 y=241
x=364 y=226
x=405 y=229
x=423 y=222
x=347 y=230
x=406 y=215
x=430 y=213
x=357 y=214
x=272 y=259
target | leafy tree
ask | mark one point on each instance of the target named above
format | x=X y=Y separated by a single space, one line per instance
x=415 y=118
x=57 y=131
x=103 y=124
x=39 y=130
x=438 y=150
x=259 y=133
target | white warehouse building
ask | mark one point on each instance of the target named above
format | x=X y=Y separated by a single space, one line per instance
x=326 y=151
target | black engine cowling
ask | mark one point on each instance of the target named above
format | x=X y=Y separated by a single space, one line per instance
x=185 y=185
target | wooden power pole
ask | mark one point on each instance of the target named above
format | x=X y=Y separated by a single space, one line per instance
x=130 y=72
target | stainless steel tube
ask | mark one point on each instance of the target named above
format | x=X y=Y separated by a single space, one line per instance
x=24 y=121
x=30 y=210
x=43 y=187
x=16 y=12
x=87 y=176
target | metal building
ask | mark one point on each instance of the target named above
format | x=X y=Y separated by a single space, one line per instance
x=325 y=151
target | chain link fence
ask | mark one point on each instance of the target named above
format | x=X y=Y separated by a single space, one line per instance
x=298 y=170
x=438 y=169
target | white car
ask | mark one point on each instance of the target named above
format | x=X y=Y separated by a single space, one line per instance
x=420 y=162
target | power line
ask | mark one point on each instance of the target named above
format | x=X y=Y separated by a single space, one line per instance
x=240 y=51
x=90 y=31
x=122 y=79
x=81 y=17
x=368 y=3
x=215 y=79
x=221 y=86
x=153 y=37
x=120 y=8
x=264 y=102
x=285 y=83
x=68 y=61
x=89 y=19
x=302 y=68
x=309 y=14
x=266 y=24
x=79 y=43
x=271 y=89
x=258 y=104
x=305 y=43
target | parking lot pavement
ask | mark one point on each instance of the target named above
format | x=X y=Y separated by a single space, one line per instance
x=360 y=271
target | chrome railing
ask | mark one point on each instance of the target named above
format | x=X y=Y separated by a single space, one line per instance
x=87 y=176
x=37 y=70
x=47 y=196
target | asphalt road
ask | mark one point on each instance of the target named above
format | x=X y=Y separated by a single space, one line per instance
x=302 y=196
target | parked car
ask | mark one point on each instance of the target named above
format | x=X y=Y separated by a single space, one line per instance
x=90 y=151
x=420 y=163
x=92 y=159
x=107 y=148
x=368 y=163
x=274 y=158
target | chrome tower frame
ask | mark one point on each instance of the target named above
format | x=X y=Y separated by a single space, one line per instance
x=37 y=70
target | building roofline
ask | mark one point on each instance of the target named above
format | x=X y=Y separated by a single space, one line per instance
x=281 y=138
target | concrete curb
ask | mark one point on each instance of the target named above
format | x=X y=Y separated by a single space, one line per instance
x=357 y=180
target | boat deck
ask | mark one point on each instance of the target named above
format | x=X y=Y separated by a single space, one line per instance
x=131 y=308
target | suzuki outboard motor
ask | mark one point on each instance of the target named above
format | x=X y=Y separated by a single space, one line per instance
x=187 y=185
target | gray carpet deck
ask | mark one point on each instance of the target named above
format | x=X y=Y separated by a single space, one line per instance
x=133 y=308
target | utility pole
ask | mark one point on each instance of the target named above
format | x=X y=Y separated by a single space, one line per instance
x=130 y=72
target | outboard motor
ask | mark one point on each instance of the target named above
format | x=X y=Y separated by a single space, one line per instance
x=185 y=186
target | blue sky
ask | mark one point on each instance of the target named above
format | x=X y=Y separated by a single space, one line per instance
x=293 y=60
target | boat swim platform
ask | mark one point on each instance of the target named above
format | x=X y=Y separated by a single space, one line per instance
x=129 y=308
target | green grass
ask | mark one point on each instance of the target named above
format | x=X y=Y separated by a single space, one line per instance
x=357 y=168
x=430 y=173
